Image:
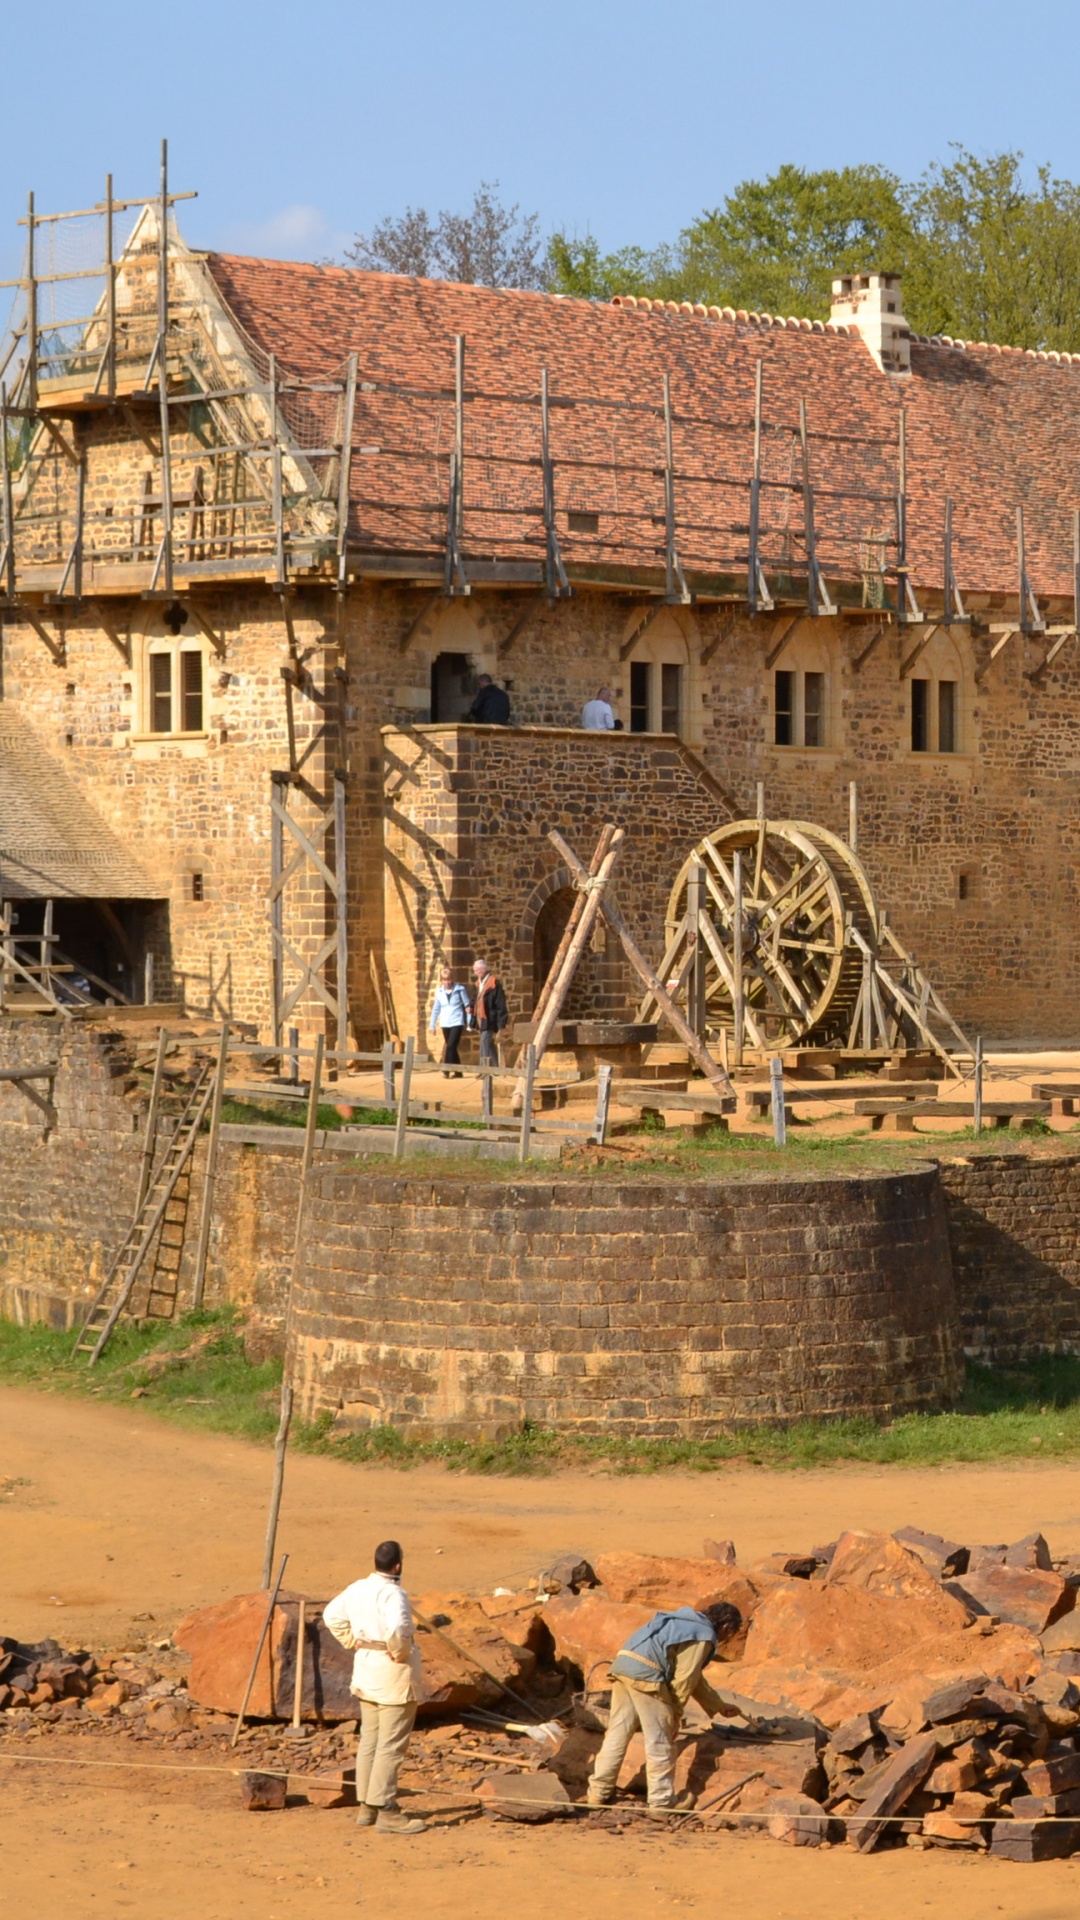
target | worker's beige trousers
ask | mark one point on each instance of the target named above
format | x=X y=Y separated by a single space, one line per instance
x=384 y=1741
x=654 y=1713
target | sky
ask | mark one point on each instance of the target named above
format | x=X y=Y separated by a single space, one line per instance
x=300 y=125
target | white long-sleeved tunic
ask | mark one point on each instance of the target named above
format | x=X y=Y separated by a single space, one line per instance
x=376 y=1611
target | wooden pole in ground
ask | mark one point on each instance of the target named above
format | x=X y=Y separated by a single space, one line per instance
x=280 y=1443
x=298 y=1688
x=210 y=1174
x=737 y=1004
x=779 y=1112
x=527 y=1101
x=978 y=1084
x=403 y=1099
x=853 y=816
x=695 y=1048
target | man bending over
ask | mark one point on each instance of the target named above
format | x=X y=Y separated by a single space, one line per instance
x=661 y=1667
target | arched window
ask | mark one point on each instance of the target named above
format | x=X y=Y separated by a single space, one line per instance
x=655 y=690
x=938 y=706
x=803 y=690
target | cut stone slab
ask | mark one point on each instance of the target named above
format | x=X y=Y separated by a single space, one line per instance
x=1029 y=1597
x=904 y=1772
x=796 y=1819
x=1063 y=1634
x=337 y=1789
x=1037 y=1840
x=530 y=1797
x=263 y=1792
x=1031 y=1552
x=877 y=1563
x=943 y=1558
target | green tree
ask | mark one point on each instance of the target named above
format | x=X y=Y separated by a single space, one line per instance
x=994 y=259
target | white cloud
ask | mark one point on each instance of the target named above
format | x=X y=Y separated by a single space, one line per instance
x=296 y=233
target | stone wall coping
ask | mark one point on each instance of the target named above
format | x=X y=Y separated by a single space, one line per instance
x=608 y=737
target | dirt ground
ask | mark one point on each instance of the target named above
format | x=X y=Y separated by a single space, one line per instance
x=114 y=1517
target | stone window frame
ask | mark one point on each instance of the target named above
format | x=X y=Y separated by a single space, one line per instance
x=940 y=661
x=155 y=643
x=665 y=642
x=812 y=647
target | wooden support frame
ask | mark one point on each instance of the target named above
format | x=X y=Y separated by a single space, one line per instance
x=207 y=629
x=433 y=601
x=210 y=1173
x=932 y=627
x=556 y=584
x=782 y=633
x=951 y=596
x=817 y=593
x=524 y=619
x=864 y=654
x=307 y=849
x=22 y=1078
x=676 y=590
x=724 y=629
x=758 y=597
x=7 y=507
x=455 y=582
x=56 y=647
x=345 y=470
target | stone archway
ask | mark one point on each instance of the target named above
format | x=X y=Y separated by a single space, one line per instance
x=598 y=989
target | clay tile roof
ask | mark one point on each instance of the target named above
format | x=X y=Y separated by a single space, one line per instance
x=990 y=428
x=52 y=843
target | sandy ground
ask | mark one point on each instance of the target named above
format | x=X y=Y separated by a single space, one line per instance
x=115 y=1516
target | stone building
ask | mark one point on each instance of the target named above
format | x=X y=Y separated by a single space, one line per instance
x=265 y=523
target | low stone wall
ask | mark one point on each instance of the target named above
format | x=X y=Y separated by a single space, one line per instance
x=652 y=1308
x=1014 y=1231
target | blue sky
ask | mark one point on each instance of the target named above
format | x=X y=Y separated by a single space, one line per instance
x=300 y=124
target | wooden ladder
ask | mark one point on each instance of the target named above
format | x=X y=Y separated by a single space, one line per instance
x=158 y=1192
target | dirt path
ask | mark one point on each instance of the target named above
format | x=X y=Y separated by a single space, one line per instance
x=122 y=1517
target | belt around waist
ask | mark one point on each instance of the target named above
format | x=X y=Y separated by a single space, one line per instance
x=369 y=1646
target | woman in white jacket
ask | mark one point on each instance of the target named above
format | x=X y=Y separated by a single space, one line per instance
x=373 y=1618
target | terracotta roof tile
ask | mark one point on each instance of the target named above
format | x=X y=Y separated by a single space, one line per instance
x=991 y=427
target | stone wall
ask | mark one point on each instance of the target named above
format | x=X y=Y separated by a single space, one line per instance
x=1014 y=1230
x=607 y=1307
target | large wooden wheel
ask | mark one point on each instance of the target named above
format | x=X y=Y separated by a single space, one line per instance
x=801 y=888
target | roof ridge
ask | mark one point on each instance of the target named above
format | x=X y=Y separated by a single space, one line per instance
x=795 y=323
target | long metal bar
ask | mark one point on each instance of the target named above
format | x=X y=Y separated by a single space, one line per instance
x=341 y=912
x=557 y=584
x=163 y=377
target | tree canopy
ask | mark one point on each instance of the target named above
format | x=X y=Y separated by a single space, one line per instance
x=985 y=252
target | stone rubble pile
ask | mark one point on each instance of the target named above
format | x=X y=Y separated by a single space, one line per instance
x=885 y=1689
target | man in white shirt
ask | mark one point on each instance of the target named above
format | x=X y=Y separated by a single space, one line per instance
x=598 y=716
x=374 y=1618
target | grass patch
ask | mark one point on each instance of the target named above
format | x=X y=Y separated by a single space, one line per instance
x=218 y=1388
x=1029 y=1413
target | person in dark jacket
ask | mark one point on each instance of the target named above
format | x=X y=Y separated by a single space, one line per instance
x=489 y=1012
x=492 y=704
x=660 y=1668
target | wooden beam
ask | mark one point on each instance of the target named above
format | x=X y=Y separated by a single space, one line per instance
x=122 y=642
x=217 y=640
x=524 y=619
x=878 y=634
x=424 y=615
x=56 y=647
x=784 y=630
x=53 y=430
x=642 y=627
x=724 y=628
x=918 y=649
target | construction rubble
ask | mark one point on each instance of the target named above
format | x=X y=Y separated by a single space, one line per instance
x=885 y=1690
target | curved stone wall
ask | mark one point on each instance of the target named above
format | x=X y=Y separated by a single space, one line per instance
x=458 y=1305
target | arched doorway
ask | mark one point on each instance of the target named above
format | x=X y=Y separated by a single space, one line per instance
x=452 y=687
x=596 y=989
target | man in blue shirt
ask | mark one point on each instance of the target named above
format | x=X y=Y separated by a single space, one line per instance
x=661 y=1667
x=450 y=1016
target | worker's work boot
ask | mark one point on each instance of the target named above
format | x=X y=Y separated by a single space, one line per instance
x=596 y=1797
x=684 y=1804
x=367 y=1816
x=392 y=1820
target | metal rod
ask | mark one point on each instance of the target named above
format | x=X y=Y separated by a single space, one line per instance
x=266 y=1623
x=210 y=1173
x=737 y=959
x=779 y=1114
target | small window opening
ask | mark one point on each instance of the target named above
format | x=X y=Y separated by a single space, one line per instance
x=920 y=716
x=963 y=886
x=784 y=708
x=670 y=697
x=946 y=716
x=814 y=710
x=191 y=685
x=161 y=693
x=196 y=886
x=639 y=696
x=578 y=522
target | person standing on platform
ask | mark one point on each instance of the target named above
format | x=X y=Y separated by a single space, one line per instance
x=374 y=1620
x=450 y=1017
x=598 y=716
x=491 y=707
x=489 y=1012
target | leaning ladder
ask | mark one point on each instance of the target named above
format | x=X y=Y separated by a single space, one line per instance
x=170 y=1173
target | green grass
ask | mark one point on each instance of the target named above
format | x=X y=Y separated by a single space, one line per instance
x=1030 y=1413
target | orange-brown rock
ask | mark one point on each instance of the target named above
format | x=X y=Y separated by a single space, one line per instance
x=456 y=1679
x=221 y=1641
x=877 y=1563
x=660 y=1580
x=1028 y=1596
x=589 y=1628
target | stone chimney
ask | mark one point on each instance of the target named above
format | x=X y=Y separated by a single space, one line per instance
x=872 y=303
